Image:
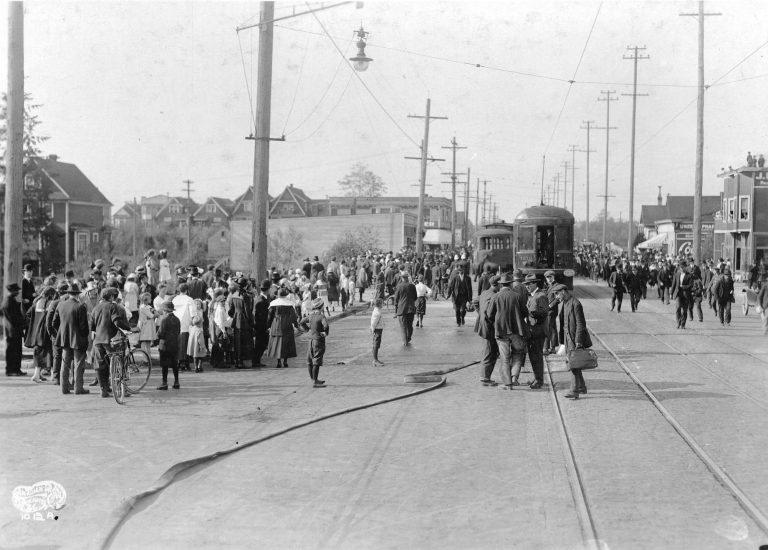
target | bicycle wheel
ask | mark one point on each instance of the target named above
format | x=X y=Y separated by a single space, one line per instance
x=138 y=366
x=116 y=379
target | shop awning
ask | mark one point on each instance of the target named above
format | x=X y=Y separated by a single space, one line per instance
x=654 y=242
x=437 y=236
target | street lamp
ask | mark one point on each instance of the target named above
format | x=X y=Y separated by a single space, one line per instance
x=360 y=61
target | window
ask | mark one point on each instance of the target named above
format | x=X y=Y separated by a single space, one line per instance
x=94 y=238
x=525 y=238
x=210 y=208
x=167 y=220
x=743 y=208
x=731 y=209
x=174 y=208
x=81 y=242
x=248 y=206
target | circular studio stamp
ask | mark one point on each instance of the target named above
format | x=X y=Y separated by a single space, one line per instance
x=40 y=501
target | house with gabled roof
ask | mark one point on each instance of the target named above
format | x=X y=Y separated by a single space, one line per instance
x=175 y=212
x=292 y=202
x=127 y=215
x=215 y=211
x=243 y=206
x=80 y=212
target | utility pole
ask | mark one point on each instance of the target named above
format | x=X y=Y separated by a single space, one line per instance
x=589 y=124
x=634 y=94
x=454 y=146
x=607 y=129
x=573 y=149
x=699 y=178
x=188 y=184
x=465 y=233
x=14 y=166
x=423 y=178
x=485 y=198
x=477 y=203
x=565 y=166
x=556 y=181
x=134 y=230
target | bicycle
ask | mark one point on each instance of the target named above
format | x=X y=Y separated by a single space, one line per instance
x=129 y=369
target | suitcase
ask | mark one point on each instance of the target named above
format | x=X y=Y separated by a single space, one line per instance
x=582 y=359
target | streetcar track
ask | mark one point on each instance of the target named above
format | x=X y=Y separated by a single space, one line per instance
x=763 y=404
x=719 y=473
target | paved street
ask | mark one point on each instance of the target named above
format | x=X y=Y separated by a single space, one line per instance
x=461 y=466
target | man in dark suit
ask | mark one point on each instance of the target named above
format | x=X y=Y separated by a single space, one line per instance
x=260 y=325
x=460 y=291
x=405 y=307
x=196 y=286
x=71 y=322
x=14 y=322
x=104 y=322
x=509 y=315
x=681 y=293
x=27 y=288
x=575 y=335
x=484 y=329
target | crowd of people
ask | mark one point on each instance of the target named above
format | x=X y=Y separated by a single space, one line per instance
x=208 y=318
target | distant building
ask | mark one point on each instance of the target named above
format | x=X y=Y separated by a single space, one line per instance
x=675 y=221
x=127 y=215
x=741 y=224
x=80 y=212
x=214 y=212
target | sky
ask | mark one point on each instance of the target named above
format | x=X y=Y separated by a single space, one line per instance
x=144 y=95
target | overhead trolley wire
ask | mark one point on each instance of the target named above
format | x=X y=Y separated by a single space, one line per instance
x=573 y=79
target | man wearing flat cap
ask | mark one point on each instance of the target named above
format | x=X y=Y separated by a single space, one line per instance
x=538 y=314
x=484 y=328
x=27 y=288
x=509 y=313
x=71 y=323
x=575 y=335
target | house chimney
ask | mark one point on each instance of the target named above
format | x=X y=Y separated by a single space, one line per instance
x=658 y=198
x=53 y=157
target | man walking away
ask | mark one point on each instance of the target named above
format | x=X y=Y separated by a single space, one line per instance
x=484 y=328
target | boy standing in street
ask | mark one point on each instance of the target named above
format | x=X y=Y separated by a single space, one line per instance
x=317 y=325
x=168 y=335
x=377 y=328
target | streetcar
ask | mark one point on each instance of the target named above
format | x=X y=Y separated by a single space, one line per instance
x=493 y=247
x=540 y=239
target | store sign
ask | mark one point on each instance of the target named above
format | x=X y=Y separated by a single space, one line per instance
x=685 y=248
x=689 y=226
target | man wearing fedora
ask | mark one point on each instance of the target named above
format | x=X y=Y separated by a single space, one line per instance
x=575 y=335
x=512 y=331
x=551 y=340
x=14 y=322
x=460 y=291
x=71 y=323
x=405 y=307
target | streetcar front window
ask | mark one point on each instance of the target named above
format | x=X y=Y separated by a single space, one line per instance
x=525 y=238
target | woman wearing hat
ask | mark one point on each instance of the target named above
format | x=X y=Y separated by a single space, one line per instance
x=282 y=321
x=37 y=335
x=131 y=299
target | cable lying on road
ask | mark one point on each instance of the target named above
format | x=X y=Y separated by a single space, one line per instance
x=134 y=504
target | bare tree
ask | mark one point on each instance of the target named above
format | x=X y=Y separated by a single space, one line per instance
x=361 y=182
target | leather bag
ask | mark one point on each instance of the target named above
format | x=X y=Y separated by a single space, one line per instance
x=582 y=359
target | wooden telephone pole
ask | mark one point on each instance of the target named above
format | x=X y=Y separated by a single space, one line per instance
x=634 y=94
x=454 y=146
x=14 y=177
x=607 y=129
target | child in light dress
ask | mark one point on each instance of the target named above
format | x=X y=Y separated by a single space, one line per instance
x=147 y=326
x=196 y=344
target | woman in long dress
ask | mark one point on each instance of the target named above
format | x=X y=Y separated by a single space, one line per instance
x=282 y=322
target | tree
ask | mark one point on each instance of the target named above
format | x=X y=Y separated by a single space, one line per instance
x=354 y=242
x=361 y=182
x=37 y=226
x=285 y=249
